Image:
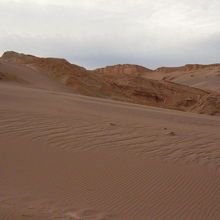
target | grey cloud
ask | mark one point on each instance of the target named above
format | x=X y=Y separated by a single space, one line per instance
x=100 y=32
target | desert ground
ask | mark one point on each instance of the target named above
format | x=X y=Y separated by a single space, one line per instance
x=69 y=156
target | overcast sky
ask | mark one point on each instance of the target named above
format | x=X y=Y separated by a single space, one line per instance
x=95 y=33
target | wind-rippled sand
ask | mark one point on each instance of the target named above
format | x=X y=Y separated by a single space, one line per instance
x=66 y=156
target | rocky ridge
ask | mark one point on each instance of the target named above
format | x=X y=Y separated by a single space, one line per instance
x=130 y=83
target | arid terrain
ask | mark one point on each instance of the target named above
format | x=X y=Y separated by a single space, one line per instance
x=120 y=142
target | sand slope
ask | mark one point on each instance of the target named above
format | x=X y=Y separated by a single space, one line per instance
x=127 y=83
x=199 y=76
x=66 y=156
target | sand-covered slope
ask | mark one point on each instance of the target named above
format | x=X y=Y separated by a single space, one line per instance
x=121 y=82
x=19 y=74
x=67 y=157
x=199 y=76
x=195 y=75
x=76 y=77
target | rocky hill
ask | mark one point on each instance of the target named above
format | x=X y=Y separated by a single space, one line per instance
x=130 y=83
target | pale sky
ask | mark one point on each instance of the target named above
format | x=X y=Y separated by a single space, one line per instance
x=96 y=33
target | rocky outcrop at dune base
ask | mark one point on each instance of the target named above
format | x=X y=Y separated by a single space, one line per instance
x=128 y=83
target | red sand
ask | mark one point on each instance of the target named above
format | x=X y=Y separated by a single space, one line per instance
x=68 y=156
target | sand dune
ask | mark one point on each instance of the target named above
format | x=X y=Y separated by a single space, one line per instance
x=68 y=156
x=26 y=76
x=127 y=83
